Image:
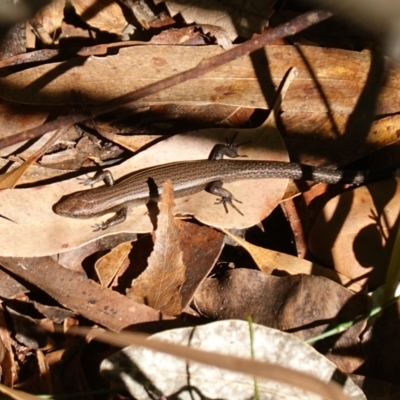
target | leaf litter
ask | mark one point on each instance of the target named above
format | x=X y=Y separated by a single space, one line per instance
x=182 y=268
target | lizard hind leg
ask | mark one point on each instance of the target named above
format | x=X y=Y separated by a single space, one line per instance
x=225 y=196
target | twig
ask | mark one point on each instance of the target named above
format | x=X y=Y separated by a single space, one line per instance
x=288 y=29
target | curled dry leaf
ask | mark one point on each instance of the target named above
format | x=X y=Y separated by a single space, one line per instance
x=101 y=14
x=160 y=284
x=269 y=261
x=47 y=21
x=187 y=35
x=200 y=247
x=220 y=35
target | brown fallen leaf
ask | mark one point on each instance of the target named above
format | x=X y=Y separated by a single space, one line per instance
x=160 y=284
x=55 y=314
x=10 y=288
x=335 y=145
x=130 y=142
x=28 y=331
x=10 y=179
x=355 y=231
x=14 y=118
x=201 y=247
x=220 y=35
x=188 y=36
x=108 y=266
x=302 y=305
x=80 y=294
x=74 y=259
x=269 y=261
x=167 y=119
x=341 y=75
x=101 y=14
x=236 y=18
x=47 y=22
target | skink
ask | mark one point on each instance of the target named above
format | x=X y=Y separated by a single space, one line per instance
x=190 y=177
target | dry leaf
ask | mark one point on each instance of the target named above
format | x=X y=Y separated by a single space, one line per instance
x=45 y=383
x=188 y=35
x=313 y=139
x=142 y=12
x=341 y=75
x=269 y=261
x=27 y=330
x=10 y=288
x=220 y=35
x=14 y=118
x=201 y=247
x=55 y=314
x=10 y=179
x=160 y=284
x=130 y=142
x=167 y=375
x=101 y=14
x=80 y=294
x=108 y=266
x=49 y=18
x=236 y=18
x=303 y=305
x=355 y=232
